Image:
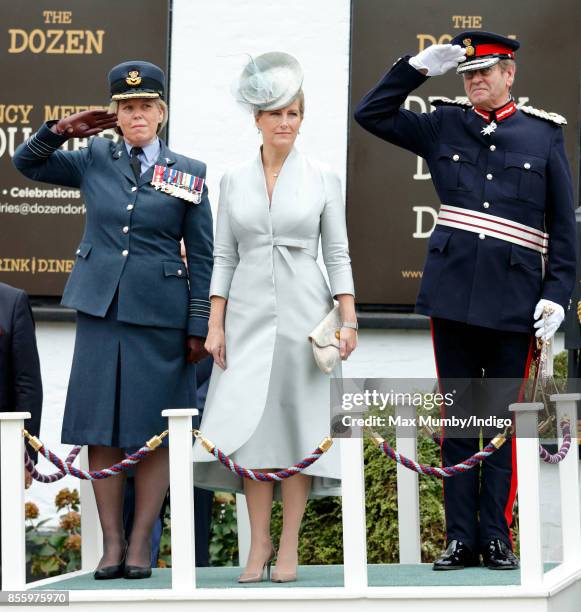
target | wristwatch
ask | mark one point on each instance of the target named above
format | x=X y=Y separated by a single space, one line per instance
x=350 y=325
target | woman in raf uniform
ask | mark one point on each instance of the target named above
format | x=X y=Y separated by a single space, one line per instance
x=268 y=405
x=141 y=321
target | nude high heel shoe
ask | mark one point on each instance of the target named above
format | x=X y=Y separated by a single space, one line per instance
x=259 y=576
x=283 y=577
x=278 y=576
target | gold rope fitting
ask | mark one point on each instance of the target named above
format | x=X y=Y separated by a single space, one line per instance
x=326 y=444
x=376 y=438
x=428 y=429
x=154 y=442
x=33 y=440
x=207 y=444
x=498 y=440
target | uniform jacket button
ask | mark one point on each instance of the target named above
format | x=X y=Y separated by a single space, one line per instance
x=481 y=236
x=78 y=251
x=126 y=229
x=493 y=147
x=134 y=188
x=125 y=253
x=129 y=206
x=456 y=157
x=527 y=166
x=180 y=272
x=486 y=204
x=489 y=177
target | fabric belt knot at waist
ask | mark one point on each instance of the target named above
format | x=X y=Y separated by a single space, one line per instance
x=310 y=246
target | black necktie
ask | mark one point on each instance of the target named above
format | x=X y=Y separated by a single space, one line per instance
x=135 y=163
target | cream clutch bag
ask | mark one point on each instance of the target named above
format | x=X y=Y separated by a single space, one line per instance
x=325 y=341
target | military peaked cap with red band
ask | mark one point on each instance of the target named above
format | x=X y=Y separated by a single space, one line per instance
x=484 y=49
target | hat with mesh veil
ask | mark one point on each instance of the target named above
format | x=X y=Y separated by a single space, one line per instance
x=269 y=81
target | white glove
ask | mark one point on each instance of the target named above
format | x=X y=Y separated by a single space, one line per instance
x=547 y=328
x=438 y=59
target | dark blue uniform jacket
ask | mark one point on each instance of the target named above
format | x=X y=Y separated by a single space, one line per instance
x=20 y=380
x=132 y=234
x=487 y=282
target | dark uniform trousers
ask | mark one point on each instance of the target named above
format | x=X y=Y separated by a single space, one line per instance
x=479 y=503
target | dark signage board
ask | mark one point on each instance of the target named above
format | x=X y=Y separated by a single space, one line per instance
x=392 y=205
x=54 y=61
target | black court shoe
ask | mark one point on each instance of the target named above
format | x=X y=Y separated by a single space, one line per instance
x=135 y=572
x=457 y=556
x=111 y=571
x=498 y=555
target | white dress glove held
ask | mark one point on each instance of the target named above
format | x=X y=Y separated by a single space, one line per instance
x=546 y=328
x=438 y=59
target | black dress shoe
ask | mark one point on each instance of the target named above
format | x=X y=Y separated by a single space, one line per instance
x=498 y=555
x=456 y=556
x=109 y=572
x=134 y=572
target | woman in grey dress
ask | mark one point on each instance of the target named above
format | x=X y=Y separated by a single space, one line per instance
x=268 y=403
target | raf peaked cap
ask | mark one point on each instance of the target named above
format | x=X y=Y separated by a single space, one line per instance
x=484 y=49
x=136 y=79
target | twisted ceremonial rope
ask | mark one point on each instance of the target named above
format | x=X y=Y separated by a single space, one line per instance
x=277 y=476
x=65 y=468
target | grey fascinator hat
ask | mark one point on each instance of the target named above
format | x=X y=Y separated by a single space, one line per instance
x=270 y=81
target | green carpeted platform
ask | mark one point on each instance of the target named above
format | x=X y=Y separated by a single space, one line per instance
x=309 y=576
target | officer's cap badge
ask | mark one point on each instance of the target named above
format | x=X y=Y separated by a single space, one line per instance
x=469 y=48
x=133 y=80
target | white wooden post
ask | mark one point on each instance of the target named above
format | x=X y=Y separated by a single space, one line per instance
x=353 y=511
x=92 y=536
x=529 y=501
x=569 y=479
x=408 y=495
x=243 y=525
x=181 y=482
x=12 y=505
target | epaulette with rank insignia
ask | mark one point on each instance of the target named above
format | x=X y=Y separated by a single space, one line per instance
x=442 y=101
x=542 y=114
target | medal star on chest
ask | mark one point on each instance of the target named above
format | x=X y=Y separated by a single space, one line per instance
x=487 y=130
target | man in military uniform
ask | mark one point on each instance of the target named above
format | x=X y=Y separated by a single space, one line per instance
x=502 y=253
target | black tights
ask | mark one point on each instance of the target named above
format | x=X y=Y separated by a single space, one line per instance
x=151 y=485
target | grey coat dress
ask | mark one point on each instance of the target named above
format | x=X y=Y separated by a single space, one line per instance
x=270 y=408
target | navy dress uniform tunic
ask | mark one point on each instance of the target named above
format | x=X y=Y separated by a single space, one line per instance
x=519 y=172
x=135 y=298
x=479 y=290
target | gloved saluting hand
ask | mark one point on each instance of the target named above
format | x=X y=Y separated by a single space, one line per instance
x=85 y=124
x=438 y=59
x=547 y=328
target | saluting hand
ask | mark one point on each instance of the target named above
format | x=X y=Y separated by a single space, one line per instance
x=195 y=349
x=85 y=124
x=436 y=60
x=216 y=345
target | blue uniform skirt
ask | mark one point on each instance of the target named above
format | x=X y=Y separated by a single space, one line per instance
x=122 y=377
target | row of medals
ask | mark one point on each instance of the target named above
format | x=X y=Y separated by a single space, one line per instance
x=178 y=190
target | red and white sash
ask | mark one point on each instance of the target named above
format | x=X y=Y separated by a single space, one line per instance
x=495 y=227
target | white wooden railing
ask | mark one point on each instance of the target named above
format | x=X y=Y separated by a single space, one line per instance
x=353 y=504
